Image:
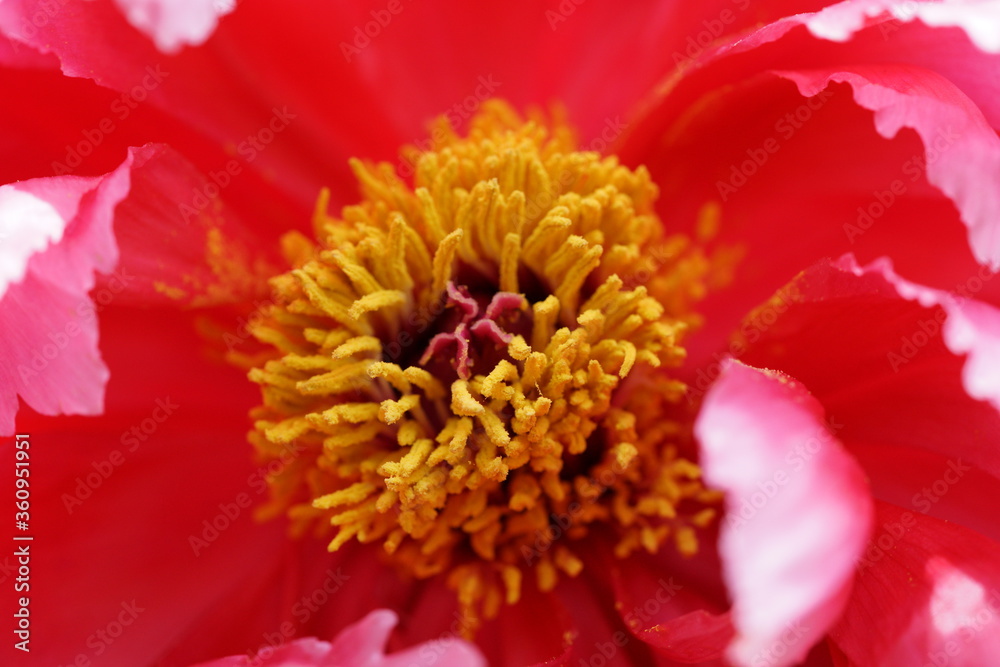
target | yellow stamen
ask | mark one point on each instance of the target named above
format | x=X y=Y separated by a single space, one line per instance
x=542 y=408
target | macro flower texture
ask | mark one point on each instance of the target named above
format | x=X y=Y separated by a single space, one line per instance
x=401 y=333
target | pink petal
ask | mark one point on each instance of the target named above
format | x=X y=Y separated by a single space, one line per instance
x=28 y=224
x=979 y=19
x=297 y=653
x=199 y=258
x=15 y=54
x=972 y=328
x=927 y=592
x=49 y=323
x=362 y=645
x=798 y=512
x=173 y=24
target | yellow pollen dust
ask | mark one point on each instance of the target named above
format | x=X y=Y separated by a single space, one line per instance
x=471 y=369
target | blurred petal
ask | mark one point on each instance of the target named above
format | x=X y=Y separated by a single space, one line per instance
x=172 y=24
x=941 y=484
x=927 y=592
x=540 y=644
x=362 y=645
x=980 y=19
x=798 y=512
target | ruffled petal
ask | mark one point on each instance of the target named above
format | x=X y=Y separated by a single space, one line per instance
x=208 y=88
x=28 y=224
x=798 y=512
x=362 y=645
x=395 y=65
x=172 y=24
x=196 y=254
x=60 y=234
x=966 y=150
x=979 y=19
x=927 y=592
x=901 y=364
x=731 y=146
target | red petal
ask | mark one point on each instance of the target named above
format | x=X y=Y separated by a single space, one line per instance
x=181 y=243
x=127 y=493
x=952 y=128
x=885 y=372
x=675 y=604
x=926 y=592
x=941 y=485
x=727 y=110
x=294 y=140
x=518 y=636
x=96 y=137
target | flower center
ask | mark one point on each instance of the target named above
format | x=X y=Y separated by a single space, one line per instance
x=475 y=364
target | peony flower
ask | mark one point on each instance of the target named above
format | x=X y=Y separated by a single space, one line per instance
x=671 y=341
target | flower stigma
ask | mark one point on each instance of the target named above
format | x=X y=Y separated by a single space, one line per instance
x=473 y=361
